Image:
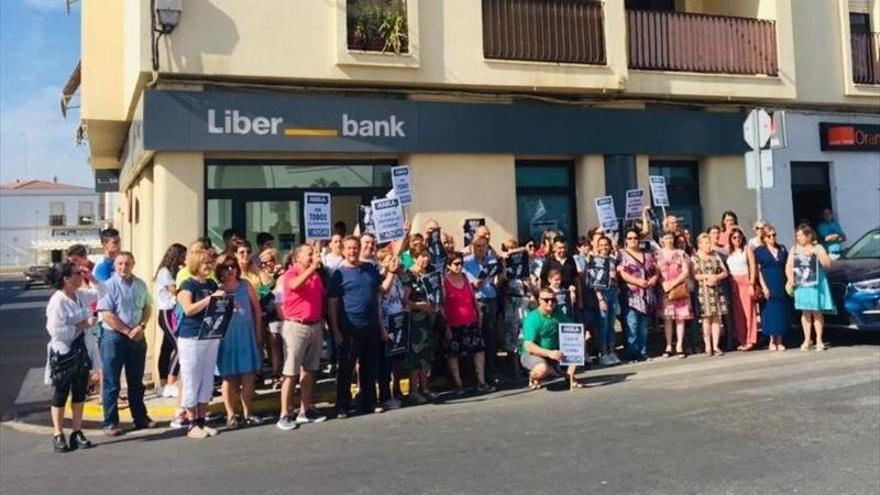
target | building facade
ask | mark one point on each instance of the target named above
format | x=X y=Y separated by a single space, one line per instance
x=519 y=112
x=40 y=219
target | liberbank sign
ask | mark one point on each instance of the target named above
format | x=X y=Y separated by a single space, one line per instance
x=265 y=121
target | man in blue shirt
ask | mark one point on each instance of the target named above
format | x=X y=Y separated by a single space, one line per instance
x=353 y=312
x=482 y=270
x=830 y=234
x=110 y=243
x=124 y=311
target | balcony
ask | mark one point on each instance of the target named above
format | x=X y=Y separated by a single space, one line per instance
x=558 y=31
x=866 y=58
x=683 y=42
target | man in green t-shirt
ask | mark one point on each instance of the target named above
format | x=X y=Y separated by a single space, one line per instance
x=540 y=352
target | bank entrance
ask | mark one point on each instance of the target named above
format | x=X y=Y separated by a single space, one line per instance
x=253 y=196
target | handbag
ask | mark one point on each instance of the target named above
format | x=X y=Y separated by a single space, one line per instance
x=75 y=362
x=678 y=293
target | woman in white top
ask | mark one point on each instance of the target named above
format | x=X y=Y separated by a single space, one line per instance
x=744 y=272
x=67 y=317
x=166 y=299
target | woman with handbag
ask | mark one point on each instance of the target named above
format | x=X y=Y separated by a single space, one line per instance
x=674 y=268
x=741 y=265
x=67 y=317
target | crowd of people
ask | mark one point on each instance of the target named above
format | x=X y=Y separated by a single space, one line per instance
x=413 y=309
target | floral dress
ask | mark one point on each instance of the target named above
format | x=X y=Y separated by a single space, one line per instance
x=421 y=326
x=671 y=264
x=713 y=300
x=642 y=300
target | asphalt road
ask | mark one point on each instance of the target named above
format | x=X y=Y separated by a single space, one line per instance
x=744 y=423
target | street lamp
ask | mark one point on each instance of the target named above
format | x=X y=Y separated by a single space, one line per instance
x=168 y=15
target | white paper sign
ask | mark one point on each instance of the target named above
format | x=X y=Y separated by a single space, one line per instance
x=388 y=220
x=317 y=215
x=571 y=343
x=402 y=182
x=607 y=215
x=635 y=202
x=658 y=190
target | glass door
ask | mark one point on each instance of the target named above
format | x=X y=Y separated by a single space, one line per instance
x=282 y=219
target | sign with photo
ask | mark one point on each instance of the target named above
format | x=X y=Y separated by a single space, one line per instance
x=606 y=213
x=436 y=251
x=470 y=226
x=433 y=283
x=805 y=269
x=517 y=265
x=658 y=190
x=398 y=333
x=490 y=269
x=571 y=343
x=365 y=219
x=635 y=203
x=388 y=220
x=401 y=181
x=317 y=216
x=217 y=317
x=564 y=303
x=599 y=272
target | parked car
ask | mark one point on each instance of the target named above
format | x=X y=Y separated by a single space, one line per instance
x=855 y=285
x=35 y=275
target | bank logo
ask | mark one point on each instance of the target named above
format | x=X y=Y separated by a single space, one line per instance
x=234 y=122
x=842 y=136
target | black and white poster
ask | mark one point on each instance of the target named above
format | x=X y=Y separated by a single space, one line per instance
x=217 y=317
x=563 y=302
x=490 y=269
x=433 y=283
x=470 y=226
x=806 y=269
x=365 y=219
x=436 y=251
x=517 y=265
x=599 y=272
x=398 y=333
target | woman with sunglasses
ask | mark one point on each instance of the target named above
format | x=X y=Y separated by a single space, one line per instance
x=741 y=265
x=638 y=269
x=463 y=336
x=812 y=293
x=729 y=222
x=710 y=272
x=238 y=359
x=771 y=258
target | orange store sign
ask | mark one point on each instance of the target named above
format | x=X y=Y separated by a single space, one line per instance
x=849 y=137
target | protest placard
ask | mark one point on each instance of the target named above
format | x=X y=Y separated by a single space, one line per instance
x=470 y=226
x=517 y=265
x=436 y=251
x=606 y=213
x=599 y=272
x=805 y=269
x=658 y=190
x=317 y=216
x=635 y=202
x=571 y=343
x=217 y=317
x=433 y=283
x=365 y=219
x=388 y=220
x=401 y=180
x=398 y=333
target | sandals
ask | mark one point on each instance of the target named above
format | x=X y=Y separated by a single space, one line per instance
x=534 y=384
x=485 y=388
x=232 y=423
x=574 y=384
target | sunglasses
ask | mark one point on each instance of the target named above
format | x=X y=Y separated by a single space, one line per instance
x=456 y=263
x=772 y=236
x=549 y=300
x=227 y=266
x=245 y=251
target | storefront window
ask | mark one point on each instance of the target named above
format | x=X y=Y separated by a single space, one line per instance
x=683 y=187
x=319 y=176
x=545 y=200
x=219 y=219
x=279 y=218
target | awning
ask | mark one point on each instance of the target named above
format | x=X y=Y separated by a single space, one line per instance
x=70 y=88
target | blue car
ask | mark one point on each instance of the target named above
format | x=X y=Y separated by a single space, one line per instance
x=855 y=285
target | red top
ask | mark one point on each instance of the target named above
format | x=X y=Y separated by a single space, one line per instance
x=307 y=302
x=459 y=304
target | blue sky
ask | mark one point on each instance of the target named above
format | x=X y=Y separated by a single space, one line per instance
x=39 y=47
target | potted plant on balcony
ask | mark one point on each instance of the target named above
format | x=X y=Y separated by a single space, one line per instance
x=393 y=31
x=377 y=25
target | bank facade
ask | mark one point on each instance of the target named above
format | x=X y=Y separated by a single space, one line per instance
x=240 y=109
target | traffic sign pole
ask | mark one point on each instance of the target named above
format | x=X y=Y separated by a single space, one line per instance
x=760 y=172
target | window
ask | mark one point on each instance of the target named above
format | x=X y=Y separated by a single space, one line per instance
x=620 y=176
x=653 y=5
x=86 y=213
x=377 y=26
x=810 y=191
x=859 y=23
x=545 y=198
x=219 y=219
x=281 y=176
x=683 y=187
x=56 y=214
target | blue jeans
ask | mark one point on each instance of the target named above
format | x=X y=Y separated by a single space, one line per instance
x=118 y=351
x=605 y=338
x=636 y=334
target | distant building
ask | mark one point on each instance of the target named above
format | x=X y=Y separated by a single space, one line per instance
x=40 y=219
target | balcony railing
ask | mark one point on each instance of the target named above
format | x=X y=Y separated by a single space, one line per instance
x=866 y=58
x=565 y=31
x=675 y=41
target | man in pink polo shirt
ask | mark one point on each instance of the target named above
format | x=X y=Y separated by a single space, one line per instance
x=302 y=333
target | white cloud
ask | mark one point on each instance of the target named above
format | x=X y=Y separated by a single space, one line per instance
x=46 y=5
x=37 y=142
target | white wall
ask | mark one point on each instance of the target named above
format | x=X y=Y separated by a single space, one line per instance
x=855 y=176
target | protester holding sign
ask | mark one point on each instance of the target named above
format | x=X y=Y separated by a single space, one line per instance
x=482 y=272
x=463 y=336
x=238 y=359
x=606 y=294
x=675 y=308
x=518 y=293
x=391 y=355
x=560 y=260
x=806 y=275
x=197 y=357
x=638 y=268
x=540 y=352
x=422 y=332
x=710 y=272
